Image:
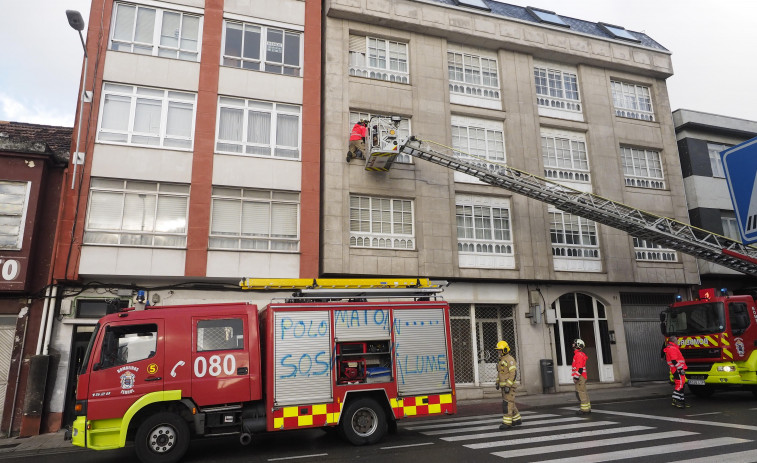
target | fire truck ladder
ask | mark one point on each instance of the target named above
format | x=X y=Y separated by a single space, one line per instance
x=663 y=231
x=354 y=288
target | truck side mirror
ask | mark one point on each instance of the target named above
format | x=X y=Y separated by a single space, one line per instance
x=664 y=328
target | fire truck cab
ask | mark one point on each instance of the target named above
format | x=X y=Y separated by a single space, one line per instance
x=717 y=335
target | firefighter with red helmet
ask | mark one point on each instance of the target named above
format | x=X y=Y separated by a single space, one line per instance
x=580 y=376
x=677 y=365
x=506 y=371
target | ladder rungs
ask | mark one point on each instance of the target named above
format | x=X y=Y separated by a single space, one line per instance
x=336 y=283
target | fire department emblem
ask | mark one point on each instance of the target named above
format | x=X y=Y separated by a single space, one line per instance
x=739 y=344
x=127 y=382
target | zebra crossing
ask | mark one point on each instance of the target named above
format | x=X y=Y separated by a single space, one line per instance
x=552 y=437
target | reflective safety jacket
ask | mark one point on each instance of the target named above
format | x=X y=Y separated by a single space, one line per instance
x=579 y=364
x=358 y=132
x=674 y=357
x=506 y=371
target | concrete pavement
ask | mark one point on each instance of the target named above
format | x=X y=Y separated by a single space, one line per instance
x=54 y=442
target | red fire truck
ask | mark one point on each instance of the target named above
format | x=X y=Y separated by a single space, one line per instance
x=163 y=375
x=717 y=335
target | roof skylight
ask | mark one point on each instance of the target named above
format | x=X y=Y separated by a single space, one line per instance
x=546 y=16
x=474 y=4
x=619 y=32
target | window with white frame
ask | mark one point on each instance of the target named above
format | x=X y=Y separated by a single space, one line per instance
x=381 y=223
x=260 y=128
x=471 y=74
x=556 y=88
x=483 y=229
x=716 y=162
x=642 y=168
x=137 y=213
x=254 y=220
x=564 y=155
x=481 y=138
x=573 y=236
x=730 y=226
x=630 y=100
x=14 y=201
x=646 y=250
x=262 y=48
x=157 y=32
x=146 y=116
x=403 y=133
x=379 y=59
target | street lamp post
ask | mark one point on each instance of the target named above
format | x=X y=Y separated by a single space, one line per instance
x=77 y=22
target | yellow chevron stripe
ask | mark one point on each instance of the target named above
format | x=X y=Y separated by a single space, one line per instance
x=712 y=341
x=725 y=342
x=728 y=353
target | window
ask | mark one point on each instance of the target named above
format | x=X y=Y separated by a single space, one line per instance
x=403 y=133
x=546 y=16
x=128 y=344
x=634 y=101
x=261 y=48
x=136 y=213
x=564 y=155
x=379 y=59
x=259 y=128
x=152 y=31
x=98 y=308
x=648 y=251
x=255 y=220
x=473 y=3
x=573 y=236
x=483 y=228
x=146 y=116
x=557 y=89
x=618 y=32
x=472 y=75
x=381 y=223
x=14 y=199
x=716 y=162
x=730 y=226
x=642 y=168
x=478 y=137
x=220 y=334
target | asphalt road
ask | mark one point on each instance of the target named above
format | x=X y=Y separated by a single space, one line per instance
x=722 y=428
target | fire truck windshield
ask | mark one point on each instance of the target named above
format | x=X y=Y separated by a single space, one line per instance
x=702 y=318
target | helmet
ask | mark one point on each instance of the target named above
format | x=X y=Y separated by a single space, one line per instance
x=673 y=339
x=363 y=121
x=578 y=344
x=503 y=346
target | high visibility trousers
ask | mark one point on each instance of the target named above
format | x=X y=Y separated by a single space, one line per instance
x=583 y=396
x=679 y=381
x=510 y=412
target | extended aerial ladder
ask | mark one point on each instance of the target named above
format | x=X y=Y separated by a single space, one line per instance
x=664 y=231
x=348 y=288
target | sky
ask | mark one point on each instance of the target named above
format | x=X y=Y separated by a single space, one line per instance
x=712 y=41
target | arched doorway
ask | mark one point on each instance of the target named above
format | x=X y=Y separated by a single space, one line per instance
x=582 y=316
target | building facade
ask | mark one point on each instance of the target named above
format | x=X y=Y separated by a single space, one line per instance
x=584 y=104
x=32 y=161
x=701 y=137
x=201 y=162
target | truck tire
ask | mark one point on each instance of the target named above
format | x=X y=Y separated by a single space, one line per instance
x=363 y=422
x=702 y=391
x=162 y=438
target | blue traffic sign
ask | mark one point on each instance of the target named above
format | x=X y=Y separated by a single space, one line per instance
x=740 y=166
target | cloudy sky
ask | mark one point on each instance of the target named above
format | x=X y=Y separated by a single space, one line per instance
x=713 y=44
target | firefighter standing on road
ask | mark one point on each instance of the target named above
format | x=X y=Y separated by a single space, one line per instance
x=506 y=371
x=357 y=140
x=677 y=366
x=579 y=376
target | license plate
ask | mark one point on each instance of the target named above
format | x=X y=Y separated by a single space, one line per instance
x=695 y=381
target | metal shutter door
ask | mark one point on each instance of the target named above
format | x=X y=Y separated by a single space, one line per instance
x=302 y=353
x=7 y=333
x=361 y=325
x=421 y=351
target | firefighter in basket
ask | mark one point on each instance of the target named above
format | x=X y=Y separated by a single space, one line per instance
x=506 y=371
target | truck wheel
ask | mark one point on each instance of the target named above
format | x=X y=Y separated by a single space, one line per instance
x=363 y=422
x=702 y=391
x=162 y=438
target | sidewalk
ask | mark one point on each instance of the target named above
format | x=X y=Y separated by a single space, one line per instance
x=54 y=443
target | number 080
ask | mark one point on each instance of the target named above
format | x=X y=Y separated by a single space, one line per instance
x=212 y=365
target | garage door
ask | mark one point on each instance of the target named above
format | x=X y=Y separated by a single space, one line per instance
x=641 y=322
x=7 y=332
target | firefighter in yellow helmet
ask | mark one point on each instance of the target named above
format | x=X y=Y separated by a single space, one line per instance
x=506 y=371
